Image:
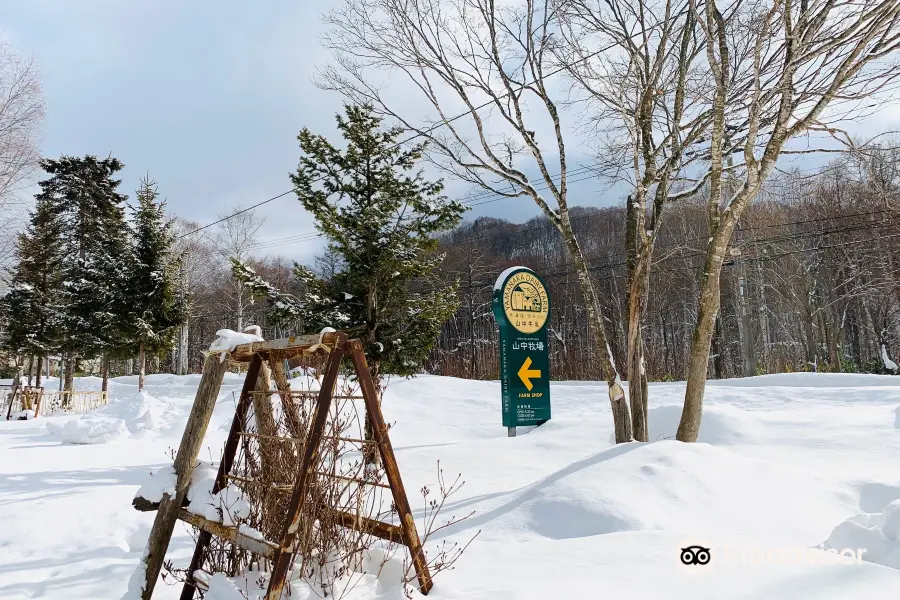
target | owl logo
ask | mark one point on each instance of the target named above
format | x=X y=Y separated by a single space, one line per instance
x=695 y=555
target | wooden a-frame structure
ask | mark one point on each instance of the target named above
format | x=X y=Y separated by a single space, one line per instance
x=280 y=553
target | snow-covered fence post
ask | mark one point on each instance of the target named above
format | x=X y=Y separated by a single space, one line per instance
x=214 y=369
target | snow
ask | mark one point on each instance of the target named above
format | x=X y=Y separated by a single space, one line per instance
x=499 y=283
x=250 y=532
x=96 y=430
x=227 y=506
x=161 y=481
x=878 y=533
x=222 y=588
x=24 y=415
x=785 y=464
x=322 y=333
x=888 y=363
x=127 y=415
x=227 y=340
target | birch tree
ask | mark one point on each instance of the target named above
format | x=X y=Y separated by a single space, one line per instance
x=645 y=101
x=234 y=240
x=483 y=71
x=780 y=70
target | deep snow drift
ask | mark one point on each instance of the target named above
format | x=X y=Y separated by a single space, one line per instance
x=786 y=463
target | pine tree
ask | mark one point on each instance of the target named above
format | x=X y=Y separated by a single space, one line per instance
x=32 y=308
x=380 y=218
x=83 y=195
x=156 y=308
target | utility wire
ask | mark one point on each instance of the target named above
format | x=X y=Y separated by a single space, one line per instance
x=622 y=263
x=434 y=127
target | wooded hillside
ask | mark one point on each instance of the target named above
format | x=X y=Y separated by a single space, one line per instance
x=812 y=283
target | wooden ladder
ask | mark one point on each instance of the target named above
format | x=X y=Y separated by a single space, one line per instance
x=280 y=554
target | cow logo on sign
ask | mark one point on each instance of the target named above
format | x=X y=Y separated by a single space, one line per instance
x=525 y=302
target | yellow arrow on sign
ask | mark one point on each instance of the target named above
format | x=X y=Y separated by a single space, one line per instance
x=526 y=374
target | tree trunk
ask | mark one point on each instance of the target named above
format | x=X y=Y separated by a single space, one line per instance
x=834 y=356
x=38 y=373
x=698 y=362
x=763 y=319
x=30 y=367
x=183 y=365
x=240 y=308
x=142 y=365
x=718 y=349
x=635 y=372
x=810 y=334
x=621 y=419
x=69 y=384
x=105 y=373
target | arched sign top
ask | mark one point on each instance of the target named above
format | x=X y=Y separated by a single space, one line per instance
x=524 y=299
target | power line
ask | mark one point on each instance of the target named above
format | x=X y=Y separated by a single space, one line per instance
x=231 y=216
x=682 y=242
x=796 y=237
x=521 y=229
x=304 y=237
x=434 y=127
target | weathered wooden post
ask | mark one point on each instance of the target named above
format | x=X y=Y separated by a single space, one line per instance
x=204 y=402
x=16 y=384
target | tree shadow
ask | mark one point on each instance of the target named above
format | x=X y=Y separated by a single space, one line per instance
x=525 y=493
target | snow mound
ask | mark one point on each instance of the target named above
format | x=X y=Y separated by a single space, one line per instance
x=94 y=430
x=686 y=488
x=113 y=421
x=878 y=533
x=222 y=588
x=807 y=380
x=25 y=415
x=133 y=410
x=722 y=424
x=136 y=538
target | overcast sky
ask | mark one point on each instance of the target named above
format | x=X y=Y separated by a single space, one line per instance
x=207 y=97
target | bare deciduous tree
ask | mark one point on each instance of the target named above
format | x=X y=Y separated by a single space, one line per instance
x=780 y=70
x=235 y=239
x=470 y=55
x=21 y=114
x=645 y=95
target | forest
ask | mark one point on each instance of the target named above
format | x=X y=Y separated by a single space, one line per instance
x=811 y=283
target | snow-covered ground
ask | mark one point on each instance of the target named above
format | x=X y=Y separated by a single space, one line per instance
x=786 y=460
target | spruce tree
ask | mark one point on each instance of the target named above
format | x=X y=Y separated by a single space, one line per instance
x=84 y=196
x=32 y=308
x=156 y=307
x=380 y=216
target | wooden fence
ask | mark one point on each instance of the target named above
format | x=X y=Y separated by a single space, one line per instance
x=43 y=403
x=72 y=401
x=14 y=400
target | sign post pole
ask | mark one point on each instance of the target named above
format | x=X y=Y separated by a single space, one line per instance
x=521 y=306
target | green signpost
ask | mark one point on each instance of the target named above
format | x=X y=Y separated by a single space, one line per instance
x=521 y=306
